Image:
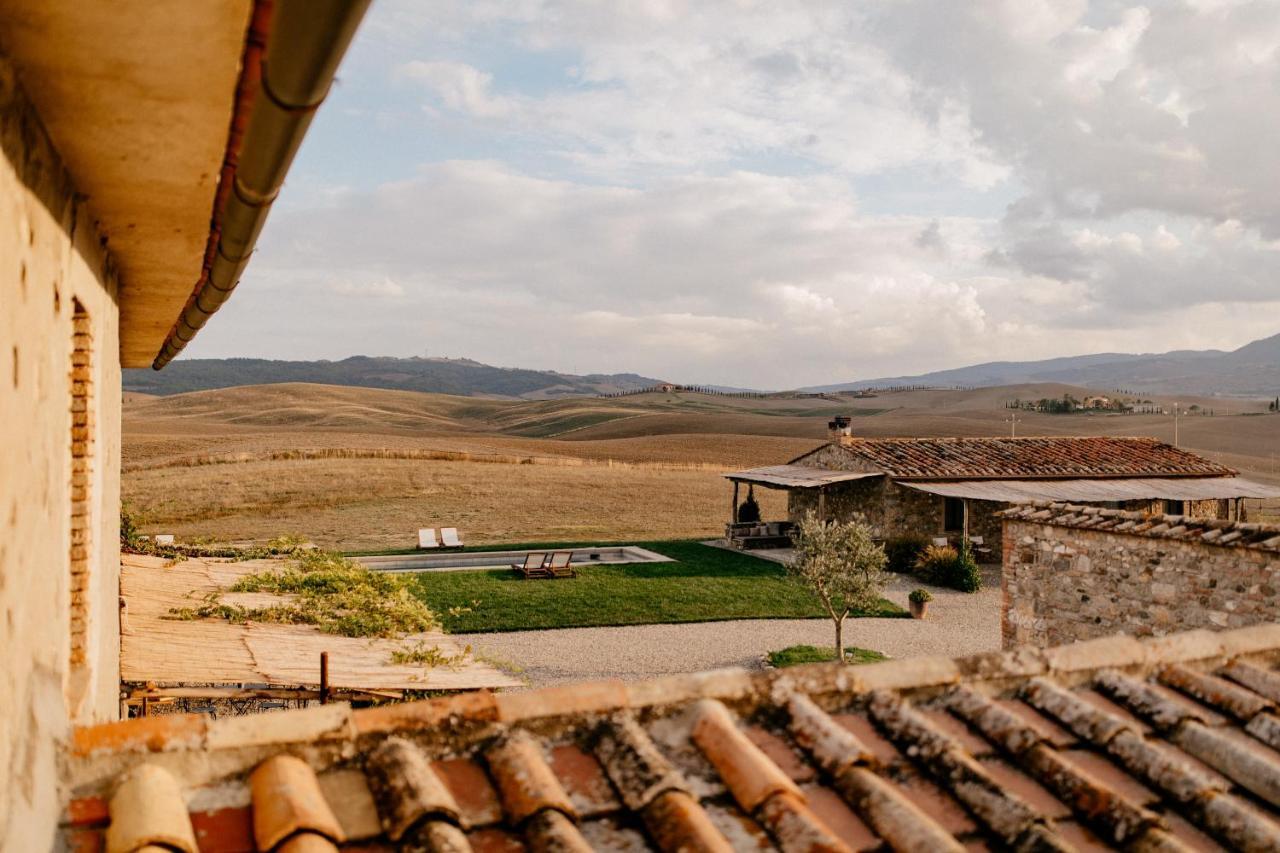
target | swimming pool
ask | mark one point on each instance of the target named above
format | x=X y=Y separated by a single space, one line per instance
x=474 y=561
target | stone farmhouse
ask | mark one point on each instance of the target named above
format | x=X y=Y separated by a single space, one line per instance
x=957 y=487
x=142 y=145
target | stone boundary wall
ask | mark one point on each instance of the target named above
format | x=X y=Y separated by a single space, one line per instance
x=1075 y=573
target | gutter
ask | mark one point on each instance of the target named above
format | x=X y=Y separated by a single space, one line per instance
x=292 y=52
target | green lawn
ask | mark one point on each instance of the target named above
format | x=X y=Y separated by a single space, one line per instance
x=796 y=655
x=704 y=585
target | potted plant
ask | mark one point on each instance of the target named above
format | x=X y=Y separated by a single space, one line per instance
x=919 y=600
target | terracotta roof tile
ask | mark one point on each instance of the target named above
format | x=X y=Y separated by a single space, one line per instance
x=1065 y=457
x=287 y=801
x=407 y=789
x=147 y=810
x=525 y=781
x=1164 y=744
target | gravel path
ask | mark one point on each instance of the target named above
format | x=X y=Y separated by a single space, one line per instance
x=958 y=624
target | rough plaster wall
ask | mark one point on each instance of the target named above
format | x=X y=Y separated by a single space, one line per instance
x=1063 y=584
x=49 y=256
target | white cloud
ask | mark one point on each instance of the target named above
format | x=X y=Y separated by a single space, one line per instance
x=784 y=194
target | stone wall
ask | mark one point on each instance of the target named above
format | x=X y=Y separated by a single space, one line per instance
x=1064 y=583
x=891 y=508
x=59 y=472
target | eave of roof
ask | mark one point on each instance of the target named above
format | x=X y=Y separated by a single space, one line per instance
x=796 y=476
x=137 y=97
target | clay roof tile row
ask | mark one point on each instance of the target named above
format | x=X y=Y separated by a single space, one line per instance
x=1168 y=743
x=1065 y=457
x=1238 y=534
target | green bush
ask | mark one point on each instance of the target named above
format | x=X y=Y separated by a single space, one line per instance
x=942 y=565
x=902 y=553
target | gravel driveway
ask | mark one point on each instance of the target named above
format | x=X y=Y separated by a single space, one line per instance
x=958 y=624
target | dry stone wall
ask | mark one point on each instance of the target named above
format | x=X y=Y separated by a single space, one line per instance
x=1064 y=583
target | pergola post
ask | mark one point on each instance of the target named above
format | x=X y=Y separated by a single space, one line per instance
x=965 y=526
x=822 y=503
x=733 y=515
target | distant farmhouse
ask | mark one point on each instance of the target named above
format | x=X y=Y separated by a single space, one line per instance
x=956 y=487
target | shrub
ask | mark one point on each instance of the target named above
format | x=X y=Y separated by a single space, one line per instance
x=942 y=565
x=920 y=596
x=935 y=562
x=902 y=552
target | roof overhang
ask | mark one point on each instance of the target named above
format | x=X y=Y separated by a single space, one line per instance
x=178 y=123
x=797 y=476
x=137 y=97
x=1098 y=490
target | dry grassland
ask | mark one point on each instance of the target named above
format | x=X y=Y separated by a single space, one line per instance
x=364 y=468
x=368 y=503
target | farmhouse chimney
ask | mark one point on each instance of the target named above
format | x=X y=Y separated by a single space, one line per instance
x=839 y=428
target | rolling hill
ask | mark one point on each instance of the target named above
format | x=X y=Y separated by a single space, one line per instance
x=1251 y=370
x=458 y=376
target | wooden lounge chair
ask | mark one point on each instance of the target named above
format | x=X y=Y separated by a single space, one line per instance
x=560 y=565
x=449 y=537
x=534 y=565
x=427 y=538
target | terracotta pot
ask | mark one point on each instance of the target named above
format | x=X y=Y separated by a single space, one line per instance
x=919 y=609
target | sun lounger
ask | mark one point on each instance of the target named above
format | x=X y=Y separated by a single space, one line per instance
x=427 y=538
x=559 y=565
x=940 y=541
x=164 y=538
x=534 y=565
x=449 y=537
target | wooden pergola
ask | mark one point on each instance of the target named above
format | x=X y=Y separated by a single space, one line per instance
x=791 y=477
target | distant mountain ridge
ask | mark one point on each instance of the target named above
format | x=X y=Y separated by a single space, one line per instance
x=1251 y=370
x=462 y=377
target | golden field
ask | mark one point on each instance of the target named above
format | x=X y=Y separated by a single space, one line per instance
x=364 y=468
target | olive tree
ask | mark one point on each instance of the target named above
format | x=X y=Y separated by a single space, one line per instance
x=842 y=565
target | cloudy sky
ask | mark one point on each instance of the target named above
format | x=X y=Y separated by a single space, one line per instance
x=777 y=194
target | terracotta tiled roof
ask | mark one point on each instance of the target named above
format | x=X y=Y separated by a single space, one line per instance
x=1024 y=458
x=1236 y=534
x=1165 y=743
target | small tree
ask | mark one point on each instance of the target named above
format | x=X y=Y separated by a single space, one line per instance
x=841 y=564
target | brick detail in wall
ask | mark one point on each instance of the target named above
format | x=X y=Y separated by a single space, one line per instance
x=81 y=474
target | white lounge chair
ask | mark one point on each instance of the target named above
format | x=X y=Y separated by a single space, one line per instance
x=940 y=541
x=534 y=565
x=164 y=538
x=449 y=537
x=427 y=538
